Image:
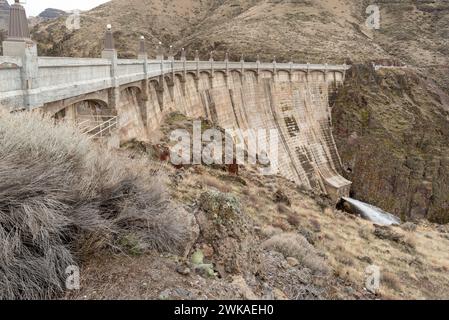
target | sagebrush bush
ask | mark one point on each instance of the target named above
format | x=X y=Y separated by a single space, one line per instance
x=296 y=246
x=62 y=198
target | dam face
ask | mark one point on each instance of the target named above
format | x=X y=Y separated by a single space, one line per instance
x=133 y=95
x=295 y=105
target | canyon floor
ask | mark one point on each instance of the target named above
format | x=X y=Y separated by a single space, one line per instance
x=262 y=237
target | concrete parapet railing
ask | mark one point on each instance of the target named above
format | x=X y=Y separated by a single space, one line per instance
x=49 y=79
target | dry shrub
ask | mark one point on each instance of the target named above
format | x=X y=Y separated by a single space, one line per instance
x=246 y=192
x=61 y=198
x=409 y=241
x=215 y=183
x=281 y=224
x=282 y=208
x=409 y=226
x=343 y=256
x=390 y=280
x=293 y=220
x=269 y=231
x=281 y=197
x=365 y=233
x=315 y=225
x=295 y=245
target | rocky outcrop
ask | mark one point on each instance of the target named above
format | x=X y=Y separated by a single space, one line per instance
x=392 y=131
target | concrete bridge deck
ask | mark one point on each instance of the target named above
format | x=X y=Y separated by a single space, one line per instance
x=34 y=82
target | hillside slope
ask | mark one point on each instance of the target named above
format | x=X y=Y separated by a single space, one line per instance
x=413 y=31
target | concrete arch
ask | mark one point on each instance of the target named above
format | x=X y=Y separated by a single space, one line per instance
x=135 y=90
x=169 y=80
x=299 y=75
x=338 y=72
x=319 y=75
x=338 y=76
x=156 y=92
x=180 y=76
x=155 y=85
x=206 y=72
x=99 y=102
x=239 y=71
x=284 y=70
x=317 y=71
x=267 y=73
x=101 y=98
x=131 y=86
x=85 y=110
x=299 y=72
x=137 y=84
x=284 y=75
x=223 y=72
x=153 y=82
x=190 y=76
x=251 y=71
x=192 y=73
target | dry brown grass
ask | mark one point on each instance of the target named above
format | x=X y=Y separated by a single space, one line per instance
x=280 y=223
x=293 y=220
x=213 y=182
x=61 y=199
x=391 y=280
x=418 y=263
x=283 y=209
x=296 y=246
x=315 y=225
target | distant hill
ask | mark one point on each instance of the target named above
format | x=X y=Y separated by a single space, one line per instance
x=48 y=14
x=51 y=13
x=4 y=15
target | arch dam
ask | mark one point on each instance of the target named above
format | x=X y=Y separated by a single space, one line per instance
x=289 y=97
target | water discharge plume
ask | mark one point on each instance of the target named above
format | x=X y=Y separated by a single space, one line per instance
x=373 y=213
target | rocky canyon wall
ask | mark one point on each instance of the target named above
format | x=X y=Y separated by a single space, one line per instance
x=392 y=130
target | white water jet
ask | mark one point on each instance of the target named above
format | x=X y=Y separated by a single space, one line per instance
x=372 y=213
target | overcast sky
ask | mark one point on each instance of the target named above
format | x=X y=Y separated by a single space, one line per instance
x=34 y=7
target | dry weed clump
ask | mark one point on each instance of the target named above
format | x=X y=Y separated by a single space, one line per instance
x=215 y=183
x=296 y=246
x=293 y=220
x=390 y=280
x=61 y=198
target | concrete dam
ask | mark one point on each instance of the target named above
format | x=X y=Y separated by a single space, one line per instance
x=294 y=104
x=133 y=95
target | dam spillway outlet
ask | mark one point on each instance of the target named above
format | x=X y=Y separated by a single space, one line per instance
x=369 y=212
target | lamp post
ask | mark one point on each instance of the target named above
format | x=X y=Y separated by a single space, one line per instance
x=142 y=55
x=109 y=51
